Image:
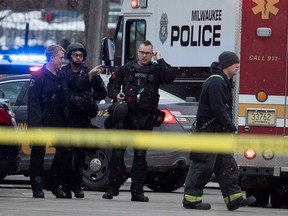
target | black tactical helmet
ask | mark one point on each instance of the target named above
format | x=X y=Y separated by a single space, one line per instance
x=118 y=111
x=75 y=47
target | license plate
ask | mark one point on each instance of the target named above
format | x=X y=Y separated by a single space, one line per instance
x=261 y=117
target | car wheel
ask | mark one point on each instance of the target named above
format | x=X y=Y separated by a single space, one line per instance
x=96 y=169
x=261 y=195
x=167 y=181
x=279 y=197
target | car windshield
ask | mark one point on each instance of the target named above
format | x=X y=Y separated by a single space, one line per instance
x=12 y=90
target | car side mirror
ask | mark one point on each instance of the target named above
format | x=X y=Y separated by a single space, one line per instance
x=108 y=52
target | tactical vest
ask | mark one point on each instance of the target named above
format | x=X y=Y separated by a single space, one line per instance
x=141 y=87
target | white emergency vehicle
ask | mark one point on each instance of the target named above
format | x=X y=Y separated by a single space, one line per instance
x=191 y=34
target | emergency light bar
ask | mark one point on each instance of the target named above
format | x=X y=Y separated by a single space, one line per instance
x=139 y=3
x=21 y=57
x=28 y=57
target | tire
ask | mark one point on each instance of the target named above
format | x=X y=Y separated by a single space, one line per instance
x=261 y=195
x=167 y=181
x=96 y=169
x=279 y=197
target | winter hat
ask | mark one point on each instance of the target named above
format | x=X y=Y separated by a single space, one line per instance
x=227 y=59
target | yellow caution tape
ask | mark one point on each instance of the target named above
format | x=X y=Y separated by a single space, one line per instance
x=221 y=143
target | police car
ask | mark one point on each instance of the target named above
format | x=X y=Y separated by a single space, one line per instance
x=19 y=64
x=166 y=169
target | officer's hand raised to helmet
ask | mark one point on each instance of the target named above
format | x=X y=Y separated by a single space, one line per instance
x=157 y=55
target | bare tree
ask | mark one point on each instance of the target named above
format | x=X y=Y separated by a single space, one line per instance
x=28 y=5
x=96 y=28
x=95 y=19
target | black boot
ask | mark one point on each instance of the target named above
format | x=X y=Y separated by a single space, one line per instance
x=240 y=202
x=139 y=198
x=110 y=193
x=78 y=191
x=67 y=191
x=37 y=185
x=196 y=205
x=68 y=194
x=59 y=192
x=38 y=193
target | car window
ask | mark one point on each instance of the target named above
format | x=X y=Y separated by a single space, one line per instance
x=167 y=98
x=12 y=90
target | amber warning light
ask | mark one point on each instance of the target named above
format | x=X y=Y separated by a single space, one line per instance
x=261 y=96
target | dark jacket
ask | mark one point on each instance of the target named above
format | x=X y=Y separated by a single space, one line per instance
x=140 y=84
x=47 y=99
x=216 y=102
x=81 y=90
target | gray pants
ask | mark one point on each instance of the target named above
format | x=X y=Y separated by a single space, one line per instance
x=225 y=168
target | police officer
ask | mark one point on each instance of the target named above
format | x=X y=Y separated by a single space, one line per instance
x=85 y=86
x=47 y=107
x=214 y=115
x=139 y=81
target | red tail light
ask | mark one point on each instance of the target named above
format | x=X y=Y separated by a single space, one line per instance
x=134 y=3
x=34 y=68
x=250 y=153
x=169 y=117
x=5 y=117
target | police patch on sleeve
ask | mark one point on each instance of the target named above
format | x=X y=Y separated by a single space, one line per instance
x=32 y=82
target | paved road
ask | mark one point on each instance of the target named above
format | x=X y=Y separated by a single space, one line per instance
x=15 y=199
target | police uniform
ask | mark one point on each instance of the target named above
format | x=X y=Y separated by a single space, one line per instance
x=140 y=86
x=214 y=115
x=47 y=107
x=82 y=107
